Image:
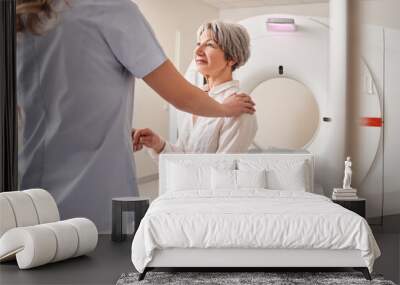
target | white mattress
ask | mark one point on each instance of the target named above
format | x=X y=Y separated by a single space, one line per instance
x=251 y=218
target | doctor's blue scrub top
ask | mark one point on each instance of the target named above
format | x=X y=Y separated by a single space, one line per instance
x=75 y=89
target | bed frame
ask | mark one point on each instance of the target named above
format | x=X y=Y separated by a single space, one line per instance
x=244 y=259
x=241 y=259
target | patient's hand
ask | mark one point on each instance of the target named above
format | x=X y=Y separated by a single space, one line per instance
x=238 y=104
x=135 y=146
x=147 y=138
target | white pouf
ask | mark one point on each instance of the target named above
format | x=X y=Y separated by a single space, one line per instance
x=31 y=233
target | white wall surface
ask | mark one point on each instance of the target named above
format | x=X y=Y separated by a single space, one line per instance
x=315 y=9
x=149 y=190
x=378 y=12
x=381 y=13
x=391 y=200
x=167 y=18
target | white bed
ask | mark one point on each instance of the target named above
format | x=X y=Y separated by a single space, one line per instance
x=220 y=211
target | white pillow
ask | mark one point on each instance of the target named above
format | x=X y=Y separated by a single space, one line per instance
x=223 y=179
x=293 y=179
x=236 y=179
x=251 y=178
x=285 y=174
x=182 y=177
x=186 y=175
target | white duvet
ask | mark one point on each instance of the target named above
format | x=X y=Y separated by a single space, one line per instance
x=252 y=218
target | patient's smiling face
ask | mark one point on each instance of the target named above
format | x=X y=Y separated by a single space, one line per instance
x=210 y=58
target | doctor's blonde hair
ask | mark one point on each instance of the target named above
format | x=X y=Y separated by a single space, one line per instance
x=33 y=15
x=233 y=39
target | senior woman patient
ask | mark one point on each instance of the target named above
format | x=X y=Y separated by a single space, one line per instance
x=221 y=49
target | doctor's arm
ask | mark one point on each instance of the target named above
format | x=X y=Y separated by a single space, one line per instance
x=173 y=87
x=237 y=134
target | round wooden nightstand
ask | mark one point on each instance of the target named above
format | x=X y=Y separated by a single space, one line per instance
x=356 y=205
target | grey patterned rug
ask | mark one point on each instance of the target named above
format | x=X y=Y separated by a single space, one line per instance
x=244 y=278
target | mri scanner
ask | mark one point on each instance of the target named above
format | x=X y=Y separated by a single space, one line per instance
x=311 y=58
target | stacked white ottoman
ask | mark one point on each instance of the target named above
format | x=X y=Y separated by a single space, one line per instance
x=31 y=230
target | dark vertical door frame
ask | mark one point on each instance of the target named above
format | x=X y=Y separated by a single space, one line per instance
x=8 y=101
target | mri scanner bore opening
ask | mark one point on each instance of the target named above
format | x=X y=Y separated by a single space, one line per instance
x=290 y=114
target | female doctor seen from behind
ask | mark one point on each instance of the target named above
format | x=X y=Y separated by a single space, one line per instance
x=76 y=61
x=221 y=49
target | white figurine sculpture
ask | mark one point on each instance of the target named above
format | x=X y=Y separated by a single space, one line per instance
x=347 y=174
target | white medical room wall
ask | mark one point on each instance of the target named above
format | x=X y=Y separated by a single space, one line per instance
x=381 y=13
x=392 y=124
x=311 y=9
x=175 y=23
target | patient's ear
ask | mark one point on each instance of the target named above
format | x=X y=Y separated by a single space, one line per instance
x=231 y=64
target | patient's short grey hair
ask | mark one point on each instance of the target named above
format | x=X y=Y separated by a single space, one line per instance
x=232 y=38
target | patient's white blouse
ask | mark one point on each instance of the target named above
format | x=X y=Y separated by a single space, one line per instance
x=214 y=135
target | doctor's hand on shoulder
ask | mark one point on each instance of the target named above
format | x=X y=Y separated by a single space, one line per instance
x=239 y=104
x=146 y=137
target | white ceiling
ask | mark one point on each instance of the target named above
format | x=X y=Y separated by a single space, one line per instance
x=227 y=4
